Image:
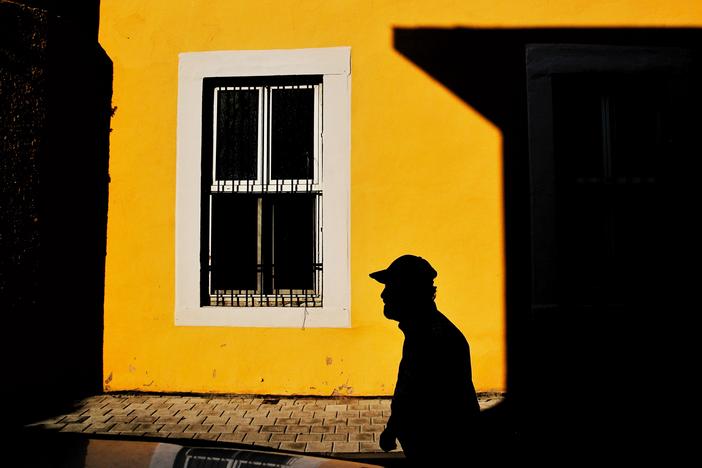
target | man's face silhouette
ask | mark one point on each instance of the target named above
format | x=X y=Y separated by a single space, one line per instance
x=396 y=299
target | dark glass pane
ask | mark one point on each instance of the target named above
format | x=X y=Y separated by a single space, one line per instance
x=234 y=239
x=237 y=135
x=294 y=240
x=637 y=128
x=578 y=127
x=292 y=133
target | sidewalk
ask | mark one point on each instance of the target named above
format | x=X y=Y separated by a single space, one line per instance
x=325 y=426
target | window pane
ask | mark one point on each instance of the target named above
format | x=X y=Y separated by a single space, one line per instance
x=577 y=120
x=294 y=240
x=237 y=135
x=234 y=241
x=637 y=127
x=292 y=133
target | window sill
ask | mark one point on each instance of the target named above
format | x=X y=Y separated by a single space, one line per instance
x=271 y=317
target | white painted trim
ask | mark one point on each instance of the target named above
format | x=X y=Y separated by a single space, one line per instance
x=335 y=66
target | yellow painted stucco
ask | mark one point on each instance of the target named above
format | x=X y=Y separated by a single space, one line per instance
x=410 y=136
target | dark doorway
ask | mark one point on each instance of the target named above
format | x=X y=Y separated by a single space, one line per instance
x=600 y=131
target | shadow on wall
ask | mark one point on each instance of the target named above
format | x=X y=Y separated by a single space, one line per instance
x=586 y=368
x=56 y=109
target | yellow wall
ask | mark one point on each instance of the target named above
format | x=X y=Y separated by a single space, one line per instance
x=409 y=135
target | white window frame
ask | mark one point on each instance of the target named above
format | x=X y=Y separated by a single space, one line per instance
x=334 y=64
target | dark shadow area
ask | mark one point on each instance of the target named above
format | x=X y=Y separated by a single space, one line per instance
x=54 y=150
x=587 y=373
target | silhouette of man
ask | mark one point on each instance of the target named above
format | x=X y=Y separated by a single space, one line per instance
x=434 y=371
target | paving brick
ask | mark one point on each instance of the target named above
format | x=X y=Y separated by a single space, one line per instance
x=283 y=437
x=248 y=407
x=293 y=446
x=293 y=429
x=263 y=421
x=302 y=414
x=74 y=419
x=319 y=447
x=335 y=421
x=119 y=412
x=198 y=428
x=182 y=407
x=145 y=419
x=138 y=406
x=122 y=419
x=206 y=436
x=358 y=421
x=335 y=437
x=386 y=412
x=279 y=414
x=257 y=437
x=372 y=428
x=218 y=401
x=273 y=445
x=370 y=447
x=234 y=413
x=74 y=427
x=320 y=429
x=188 y=414
x=347 y=429
x=309 y=438
x=381 y=420
x=97 y=419
x=131 y=433
x=234 y=421
x=192 y=420
x=287 y=421
x=122 y=427
x=240 y=401
x=358 y=406
x=172 y=428
x=222 y=428
x=313 y=408
x=325 y=414
x=265 y=407
x=116 y=406
x=149 y=427
x=247 y=428
x=215 y=420
x=96 y=411
x=345 y=447
x=181 y=435
x=168 y=419
x=361 y=437
x=335 y=408
x=231 y=437
x=272 y=428
x=256 y=414
x=371 y=414
x=310 y=421
x=348 y=414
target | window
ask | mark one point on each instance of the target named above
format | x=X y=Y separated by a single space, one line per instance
x=263 y=188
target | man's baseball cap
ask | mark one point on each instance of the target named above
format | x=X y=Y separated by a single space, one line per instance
x=409 y=267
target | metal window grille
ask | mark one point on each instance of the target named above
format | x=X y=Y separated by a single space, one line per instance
x=265 y=196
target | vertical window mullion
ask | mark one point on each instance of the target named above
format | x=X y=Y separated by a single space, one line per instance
x=216 y=183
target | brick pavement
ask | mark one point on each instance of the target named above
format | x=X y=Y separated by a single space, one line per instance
x=313 y=425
